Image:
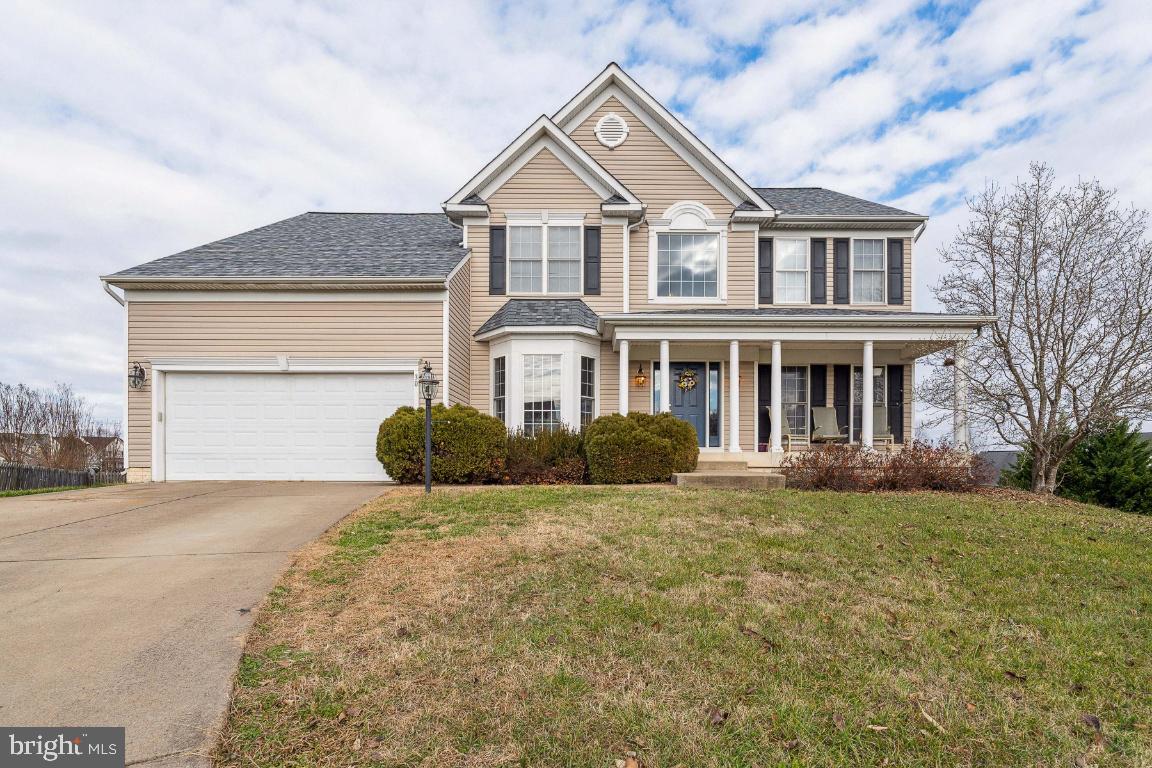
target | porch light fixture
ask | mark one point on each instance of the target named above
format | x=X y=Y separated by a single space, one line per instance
x=137 y=376
x=641 y=378
x=427 y=384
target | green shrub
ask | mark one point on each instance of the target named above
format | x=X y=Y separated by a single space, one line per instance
x=467 y=446
x=639 y=448
x=546 y=458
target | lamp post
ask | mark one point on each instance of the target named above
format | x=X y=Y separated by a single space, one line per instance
x=427 y=384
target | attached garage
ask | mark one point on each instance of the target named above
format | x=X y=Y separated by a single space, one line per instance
x=282 y=425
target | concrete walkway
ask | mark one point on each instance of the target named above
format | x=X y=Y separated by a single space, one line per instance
x=129 y=605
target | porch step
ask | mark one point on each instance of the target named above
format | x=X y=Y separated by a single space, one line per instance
x=741 y=479
x=720 y=465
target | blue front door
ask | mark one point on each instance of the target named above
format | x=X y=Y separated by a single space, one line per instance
x=690 y=402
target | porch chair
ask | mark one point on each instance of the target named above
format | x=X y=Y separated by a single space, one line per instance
x=881 y=430
x=786 y=437
x=825 y=428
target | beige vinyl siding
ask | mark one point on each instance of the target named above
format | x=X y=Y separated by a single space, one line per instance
x=214 y=329
x=544 y=182
x=459 y=335
x=609 y=379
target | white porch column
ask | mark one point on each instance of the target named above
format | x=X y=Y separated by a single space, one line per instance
x=665 y=378
x=624 y=367
x=866 y=406
x=960 y=414
x=775 y=407
x=734 y=397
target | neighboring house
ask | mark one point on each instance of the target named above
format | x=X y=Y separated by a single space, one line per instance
x=40 y=450
x=606 y=260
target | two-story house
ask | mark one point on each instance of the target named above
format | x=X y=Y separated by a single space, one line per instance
x=606 y=260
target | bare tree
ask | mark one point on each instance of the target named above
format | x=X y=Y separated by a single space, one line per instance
x=1068 y=273
x=53 y=428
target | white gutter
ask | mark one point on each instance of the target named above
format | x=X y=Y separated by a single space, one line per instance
x=880 y=319
x=108 y=290
x=919 y=231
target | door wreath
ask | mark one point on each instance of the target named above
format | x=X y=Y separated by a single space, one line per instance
x=686 y=381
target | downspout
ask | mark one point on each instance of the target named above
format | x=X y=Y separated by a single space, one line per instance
x=124 y=426
x=919 y=231
x=108 y=290
x=628 y=230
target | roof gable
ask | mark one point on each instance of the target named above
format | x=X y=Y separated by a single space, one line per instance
x=613 y=82
x=542 y=134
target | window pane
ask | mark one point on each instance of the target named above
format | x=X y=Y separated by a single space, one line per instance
x=791 y=254
x=563 y=243
x=879 y=395
x=687 y=265
x=526 y=260
x=714 y=405
x=868 y=287
x=791 y=287
x=868 y=254
x=541 y=393
x=563 y=276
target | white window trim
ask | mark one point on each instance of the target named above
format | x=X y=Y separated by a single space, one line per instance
x=543 y=219
x=688 y=217
x=807 y=395
x=852 y=396
x=883 y=272
x=807 y=270
x=571 y=348
x=595 y=387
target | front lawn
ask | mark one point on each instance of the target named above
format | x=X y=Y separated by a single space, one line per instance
x=663 y=627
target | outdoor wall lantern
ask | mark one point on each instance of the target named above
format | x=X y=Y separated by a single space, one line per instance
x=137 y=376
x=427 y=385
x=640 y=378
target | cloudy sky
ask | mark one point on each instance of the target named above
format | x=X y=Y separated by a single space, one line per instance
x=129 y=131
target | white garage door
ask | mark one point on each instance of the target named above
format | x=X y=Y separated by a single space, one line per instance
x=278 y=426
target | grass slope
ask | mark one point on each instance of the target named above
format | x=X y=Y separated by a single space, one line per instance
x=32 y=491
x=656 y=627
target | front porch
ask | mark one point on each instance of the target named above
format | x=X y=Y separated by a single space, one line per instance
x=762 y=393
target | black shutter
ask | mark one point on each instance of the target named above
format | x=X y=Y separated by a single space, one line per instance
x=819 y=271
x=896 y=401
x=818 y=387
x=840 y=257
x=842 y=393
x=497 y=261
x=763 y=404
x=765 y=271
x=592 y=261
x=895 y=270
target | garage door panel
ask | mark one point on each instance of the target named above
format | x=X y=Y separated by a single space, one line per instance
x=278 y=425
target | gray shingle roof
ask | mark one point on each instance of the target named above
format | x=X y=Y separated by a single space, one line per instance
x=817 y=201
x=530 y=312
x=791 y=312
x=385 y=245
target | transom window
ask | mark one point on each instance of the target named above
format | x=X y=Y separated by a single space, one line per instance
x=544 y=259
x=794 y=398
x=687 y=265
x=791 y=271
x=541 y=393
x=868 y=271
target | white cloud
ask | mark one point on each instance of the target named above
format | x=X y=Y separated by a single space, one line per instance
x=130 y=131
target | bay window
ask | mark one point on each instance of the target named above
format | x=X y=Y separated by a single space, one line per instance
x=587 y=390
x=791 y=271
x=867 y=271
x=499 y=389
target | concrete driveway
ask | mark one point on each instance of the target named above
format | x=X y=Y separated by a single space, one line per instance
x=129 y=605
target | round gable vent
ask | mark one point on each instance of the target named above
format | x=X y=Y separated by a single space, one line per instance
x=611 y=130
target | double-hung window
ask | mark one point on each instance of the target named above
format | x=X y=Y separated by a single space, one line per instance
x=791 y=271
x=587 y=391
x=499 y=389
x=687 y=265
x=867 y=271
x=544 y=258
x=794 y=399
x=541 y=393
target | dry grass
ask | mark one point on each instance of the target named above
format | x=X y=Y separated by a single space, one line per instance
x=572 y=627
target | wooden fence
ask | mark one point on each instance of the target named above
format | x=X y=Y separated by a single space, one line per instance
x=14 y=477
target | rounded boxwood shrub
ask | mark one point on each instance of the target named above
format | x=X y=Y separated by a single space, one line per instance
x=467 y=446
x=549 y=457
x=639 y=448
